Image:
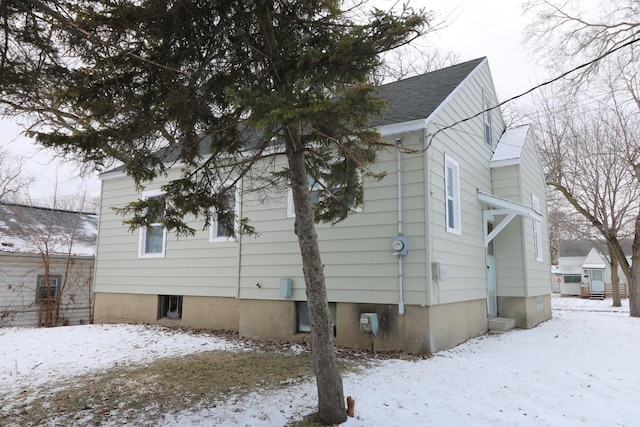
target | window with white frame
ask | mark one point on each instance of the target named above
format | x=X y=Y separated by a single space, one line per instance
x=217 y=232
x=48 y=287
x=487 y=121
x=452 y=193
x=537 y=229
x=152 y=239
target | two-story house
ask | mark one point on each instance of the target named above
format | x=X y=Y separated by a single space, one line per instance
x=453 y=236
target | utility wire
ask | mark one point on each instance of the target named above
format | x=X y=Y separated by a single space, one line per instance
x=548 y=82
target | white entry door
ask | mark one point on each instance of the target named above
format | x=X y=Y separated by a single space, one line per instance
x=597 y=281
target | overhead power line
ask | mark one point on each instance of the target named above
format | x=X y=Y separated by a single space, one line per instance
x=513 y=98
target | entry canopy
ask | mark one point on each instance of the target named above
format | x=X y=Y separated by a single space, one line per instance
x=500 y=206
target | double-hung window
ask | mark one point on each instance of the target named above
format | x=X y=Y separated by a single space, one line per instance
x=452 y=193
x=537 y=229
x=152 y=239
x=217 y=233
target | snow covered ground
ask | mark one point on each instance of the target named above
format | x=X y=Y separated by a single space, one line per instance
x=578 y=369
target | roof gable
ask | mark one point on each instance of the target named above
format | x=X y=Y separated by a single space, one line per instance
x=35 y=230
x=419 y=96
x=594 y=260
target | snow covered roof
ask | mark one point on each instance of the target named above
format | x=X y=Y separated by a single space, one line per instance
x=35 y=230
x=510 y=147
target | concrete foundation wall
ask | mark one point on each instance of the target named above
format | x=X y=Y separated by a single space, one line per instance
x=406 y=332
x=211 y=313
x=418 y=330
x=455 y=323
x=197 y=312
x=125 y=308
x=267 y=319
x=528 y=312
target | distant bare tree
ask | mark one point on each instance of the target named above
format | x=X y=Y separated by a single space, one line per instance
x=589 y=157
x=14 y=180
x=410 y=60
x=567 y=32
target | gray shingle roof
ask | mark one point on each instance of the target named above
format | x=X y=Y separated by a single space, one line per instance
x=417 y=97
x=409 y=99
x=34 y=230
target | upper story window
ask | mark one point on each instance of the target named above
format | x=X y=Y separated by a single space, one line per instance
x=217 y=233
x=487 y=121
x=537 y=229
x=152 y=239
x=452 y=190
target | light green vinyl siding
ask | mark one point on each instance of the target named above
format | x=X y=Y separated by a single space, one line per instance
x=519 y=274
x=359 y=263
x=191 y=266
x=464 y=254
x=538 y=272
x=508 y=244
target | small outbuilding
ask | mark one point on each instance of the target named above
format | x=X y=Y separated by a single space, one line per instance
x=46 y=266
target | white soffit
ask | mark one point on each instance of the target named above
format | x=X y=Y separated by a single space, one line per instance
x=508 y=205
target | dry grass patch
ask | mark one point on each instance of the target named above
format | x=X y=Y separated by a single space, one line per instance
x=142 y=394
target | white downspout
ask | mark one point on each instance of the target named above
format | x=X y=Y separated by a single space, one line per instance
x=400 y=261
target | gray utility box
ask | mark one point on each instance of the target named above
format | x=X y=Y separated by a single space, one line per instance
x=369 y=323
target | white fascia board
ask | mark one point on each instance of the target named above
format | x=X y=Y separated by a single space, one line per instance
x=108 y=176
x=397 y=128
x=509 y=205
x=594 y=266
x=503 y=163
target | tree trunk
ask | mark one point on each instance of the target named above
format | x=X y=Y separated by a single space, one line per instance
x=634 y=276
x=615 y=279
x=331 y=403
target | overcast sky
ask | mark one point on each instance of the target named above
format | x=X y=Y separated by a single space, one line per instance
x=491 y=28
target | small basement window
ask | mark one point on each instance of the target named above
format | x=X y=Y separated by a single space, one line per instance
x=302 y=316
x=170 y=307
x=572 y=278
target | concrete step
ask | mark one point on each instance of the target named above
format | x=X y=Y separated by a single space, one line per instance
x=501 y=324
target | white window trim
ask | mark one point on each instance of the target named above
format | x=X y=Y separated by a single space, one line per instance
x=488 y=139
x=450 y=163
x=537 y=229
x=213 y=228
x=142 y=236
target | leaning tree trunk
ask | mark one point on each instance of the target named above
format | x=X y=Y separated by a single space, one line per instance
x=331 y=404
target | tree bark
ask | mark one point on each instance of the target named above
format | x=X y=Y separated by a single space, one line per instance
x=331 y=403
x=634 y=270
x=615 y=279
